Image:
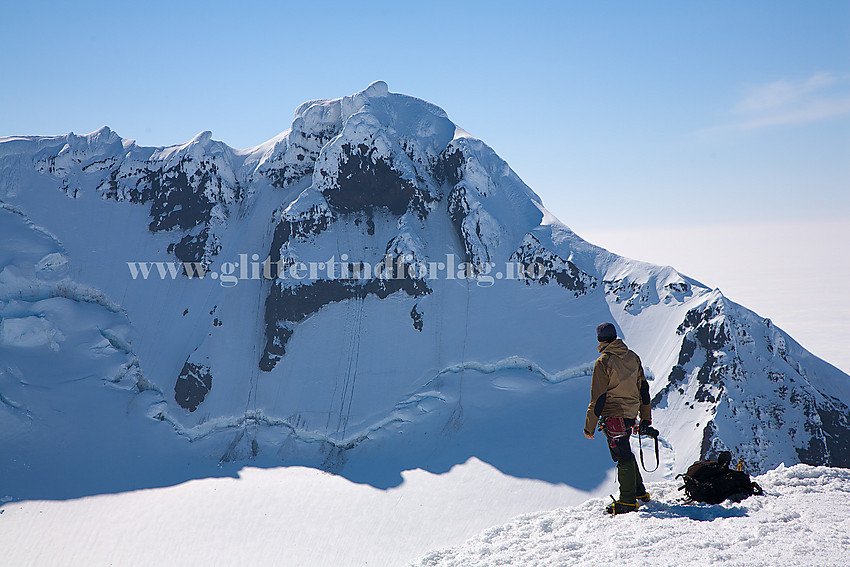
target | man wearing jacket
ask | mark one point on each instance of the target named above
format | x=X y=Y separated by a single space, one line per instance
x=618 y=392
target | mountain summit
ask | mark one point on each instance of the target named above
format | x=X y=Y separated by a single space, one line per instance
x=370 y=291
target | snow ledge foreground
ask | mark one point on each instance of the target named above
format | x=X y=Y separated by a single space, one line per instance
x=802 y=519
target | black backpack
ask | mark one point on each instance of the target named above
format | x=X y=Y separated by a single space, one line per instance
x=713 y=481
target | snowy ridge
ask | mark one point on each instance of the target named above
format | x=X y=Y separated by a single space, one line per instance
x=802 y=519
x=736 y=370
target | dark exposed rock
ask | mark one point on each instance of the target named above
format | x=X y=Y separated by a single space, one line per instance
x=181 y=193
x=709 y=354
x=173 y=200
x=543 y=266
x=678 y=287
x=286 y=306
x=197 y=249
x=636 y=295
x=447 y=168
x=363 y=184
x=830 y=443
x=178 y=195
x=286 y=230
x=181 y=196
x=835 y=419
x=687 y=351
x=282 y=232
x=367 y=181
x=711 y=337
x=281 y=172
x=192 y=386
x=458 y=208
x=710 y=446
x=191 y=247
x=417 y=319
x=815 y=453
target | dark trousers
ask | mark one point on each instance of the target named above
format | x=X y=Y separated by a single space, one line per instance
x=628 y=474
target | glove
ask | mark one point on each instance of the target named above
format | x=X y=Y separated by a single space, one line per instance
x=646 y=429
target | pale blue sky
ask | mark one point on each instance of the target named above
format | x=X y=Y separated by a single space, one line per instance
x=616 y=113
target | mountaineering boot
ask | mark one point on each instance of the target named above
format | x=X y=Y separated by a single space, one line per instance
x=627 y=474
x=617 y=507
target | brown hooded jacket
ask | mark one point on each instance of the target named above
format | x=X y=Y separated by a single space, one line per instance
x=618 y=387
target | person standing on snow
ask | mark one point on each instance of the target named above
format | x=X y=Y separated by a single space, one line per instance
x=618 y=392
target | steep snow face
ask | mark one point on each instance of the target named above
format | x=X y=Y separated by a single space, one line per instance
x=373 y=281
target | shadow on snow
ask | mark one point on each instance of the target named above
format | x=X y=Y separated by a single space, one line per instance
x=531 y=435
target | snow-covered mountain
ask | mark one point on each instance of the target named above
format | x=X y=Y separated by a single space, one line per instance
x=371 y=291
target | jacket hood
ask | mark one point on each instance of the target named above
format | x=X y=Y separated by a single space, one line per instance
x=616 y=347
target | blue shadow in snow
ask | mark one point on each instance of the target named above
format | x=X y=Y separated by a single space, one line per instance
x=698 y=512
x=533 y=432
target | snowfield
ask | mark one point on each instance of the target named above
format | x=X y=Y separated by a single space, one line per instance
x=289 y=516
x=802 y=519
x=298 y=516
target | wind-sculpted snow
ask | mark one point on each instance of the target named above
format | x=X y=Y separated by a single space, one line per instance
x=291 y=343
x=64 y=348
x=25 y=279
x=519 y=363
x=800 y=520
